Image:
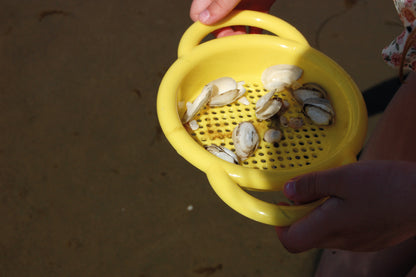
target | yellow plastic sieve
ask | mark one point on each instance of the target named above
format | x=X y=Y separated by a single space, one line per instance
x=244 y=58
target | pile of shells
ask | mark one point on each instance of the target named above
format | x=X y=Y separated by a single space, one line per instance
x=226 y=90
x=316 y=106
x=220 y=92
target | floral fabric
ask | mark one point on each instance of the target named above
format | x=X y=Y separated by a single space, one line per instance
x=393 y=52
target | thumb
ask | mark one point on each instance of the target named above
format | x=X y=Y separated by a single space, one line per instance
x=217 y=10
x=313 y=186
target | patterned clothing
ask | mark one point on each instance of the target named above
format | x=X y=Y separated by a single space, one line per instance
x=393 y=52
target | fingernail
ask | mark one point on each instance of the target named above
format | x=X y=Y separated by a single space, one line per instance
x=204 y=16
x=290 y=189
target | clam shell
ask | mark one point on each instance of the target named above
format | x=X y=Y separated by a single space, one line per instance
x=266 y=106
x=200 y=101
x=224 y=98
x=272 y=136
x=309 y=90
x=302 y=94
x=261 y=103
x=318 y=116
x=280 y=76
x=241 y=89
x=225 y=91
x=315 y=87
x=321 y=103
x=243 y=100
x=223 y=153
x=245 y=139
x=319 y=110
x=223 y=85
x=269 y=109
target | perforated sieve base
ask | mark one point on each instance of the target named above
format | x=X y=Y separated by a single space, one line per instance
x=298 y=147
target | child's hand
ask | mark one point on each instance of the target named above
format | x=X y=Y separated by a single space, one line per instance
x=371 y=206
x=212 y=11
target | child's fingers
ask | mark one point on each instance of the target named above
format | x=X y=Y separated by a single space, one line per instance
x=229 y=31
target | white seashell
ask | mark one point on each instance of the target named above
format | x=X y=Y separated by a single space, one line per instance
x=266 y=106
x=270 y=109
x=224 y=98
x=241 y=89
x=193 y=124
x=243 y=100
x=245 y=140
x=272 y=136
x=223 y=85
x=188 y=105
x=322 y=103
x=200 y=101
x=225 y=91
x=223 y=153
x=261 y=103
x=315 y=87
x=302 y=94
x=319 y=110
x=280 y=76
x=318 y=116
x=308 y=90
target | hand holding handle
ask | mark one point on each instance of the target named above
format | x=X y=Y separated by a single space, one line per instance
x=198 y=31
x=234 y=196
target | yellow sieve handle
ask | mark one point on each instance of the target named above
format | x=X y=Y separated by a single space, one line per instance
x=234 y=196
x=198 y=31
